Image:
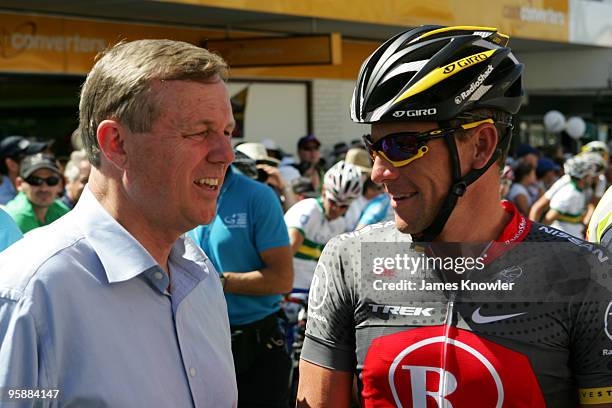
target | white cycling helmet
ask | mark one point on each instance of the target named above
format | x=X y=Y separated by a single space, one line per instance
x=597 y=162
x=596 y=147
x=342 y=182
x=578 y=167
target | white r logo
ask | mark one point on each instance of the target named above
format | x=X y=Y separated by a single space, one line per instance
x=448 y=382
x=314 y=293
x=318 y=288
x=418 y=383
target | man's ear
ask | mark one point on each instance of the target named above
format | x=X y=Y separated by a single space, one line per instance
x=111 y=139
x=18 y=183
x=485 y=143
x=11 y=165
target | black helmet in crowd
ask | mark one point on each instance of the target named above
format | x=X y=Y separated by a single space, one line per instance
x=438 y=74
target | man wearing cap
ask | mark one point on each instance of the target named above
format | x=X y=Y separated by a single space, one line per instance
x=39 y=184
x=12 y=150
x=310 y=164
x=547 y=173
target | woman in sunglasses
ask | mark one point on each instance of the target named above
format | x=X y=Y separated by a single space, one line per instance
x=39 y=183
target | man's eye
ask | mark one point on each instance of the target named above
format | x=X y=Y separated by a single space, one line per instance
x=199 y=135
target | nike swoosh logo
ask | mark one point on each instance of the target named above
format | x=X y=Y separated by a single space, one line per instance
x=480 y=319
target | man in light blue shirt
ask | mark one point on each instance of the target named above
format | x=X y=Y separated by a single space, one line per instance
x=111 y=305
x=9 y=231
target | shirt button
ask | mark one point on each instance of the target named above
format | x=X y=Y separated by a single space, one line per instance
x=158 y=275
x=192 y=372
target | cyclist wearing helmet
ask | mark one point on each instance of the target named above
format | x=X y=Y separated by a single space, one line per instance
x=568 y=204
x=597 y=147
x=314 y=221
x=597 y=153
x=600 y=226
x=439 y=100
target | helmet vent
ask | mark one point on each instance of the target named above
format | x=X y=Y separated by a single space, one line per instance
x=388 y=90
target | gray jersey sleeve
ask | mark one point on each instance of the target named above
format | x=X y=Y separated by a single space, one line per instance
x=591 y=331
x=330 y=330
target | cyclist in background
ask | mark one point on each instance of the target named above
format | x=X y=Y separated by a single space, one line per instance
x=314 y=221
x=594 y=191
x=568 y=205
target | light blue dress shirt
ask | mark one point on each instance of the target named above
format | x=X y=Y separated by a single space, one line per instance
x=84 y=309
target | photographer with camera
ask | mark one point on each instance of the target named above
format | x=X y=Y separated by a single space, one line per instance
x=311 y=165
x=268 y=172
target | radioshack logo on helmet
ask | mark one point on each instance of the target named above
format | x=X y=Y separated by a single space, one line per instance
x=465 y=62
x=475 y=85
x=415 y=112
x=407 y=368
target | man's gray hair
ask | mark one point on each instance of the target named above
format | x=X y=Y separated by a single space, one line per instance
x=73 y=167
x=120 y=85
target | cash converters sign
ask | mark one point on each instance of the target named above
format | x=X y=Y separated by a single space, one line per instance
x=41 y=44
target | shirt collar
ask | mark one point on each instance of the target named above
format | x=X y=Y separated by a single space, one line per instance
x=22 y=200
x=517 y=229
x=228 y=180
x=121 y=255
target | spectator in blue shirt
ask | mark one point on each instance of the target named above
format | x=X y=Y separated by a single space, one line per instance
x=9 y=231
x=248 y=242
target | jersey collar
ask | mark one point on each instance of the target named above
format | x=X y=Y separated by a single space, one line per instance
x=514 y=232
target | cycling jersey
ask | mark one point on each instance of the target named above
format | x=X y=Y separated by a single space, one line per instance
x=308 y=217
x=598 y=191
x=570 y=203
x=601 y=220
x=441 y=348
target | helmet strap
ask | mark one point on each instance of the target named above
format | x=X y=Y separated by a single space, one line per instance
x=458 y=186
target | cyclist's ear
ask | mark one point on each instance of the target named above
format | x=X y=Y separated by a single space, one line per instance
x=482 y=140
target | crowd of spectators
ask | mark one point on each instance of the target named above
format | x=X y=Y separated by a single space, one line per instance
x=558 y=189
x=36 y=189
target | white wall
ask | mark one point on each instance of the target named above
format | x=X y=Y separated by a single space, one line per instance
x=277 y=111
x=331 y=112
x=590 y=22
x=567 y=70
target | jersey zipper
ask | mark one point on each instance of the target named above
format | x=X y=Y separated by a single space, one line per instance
x=448 y=322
